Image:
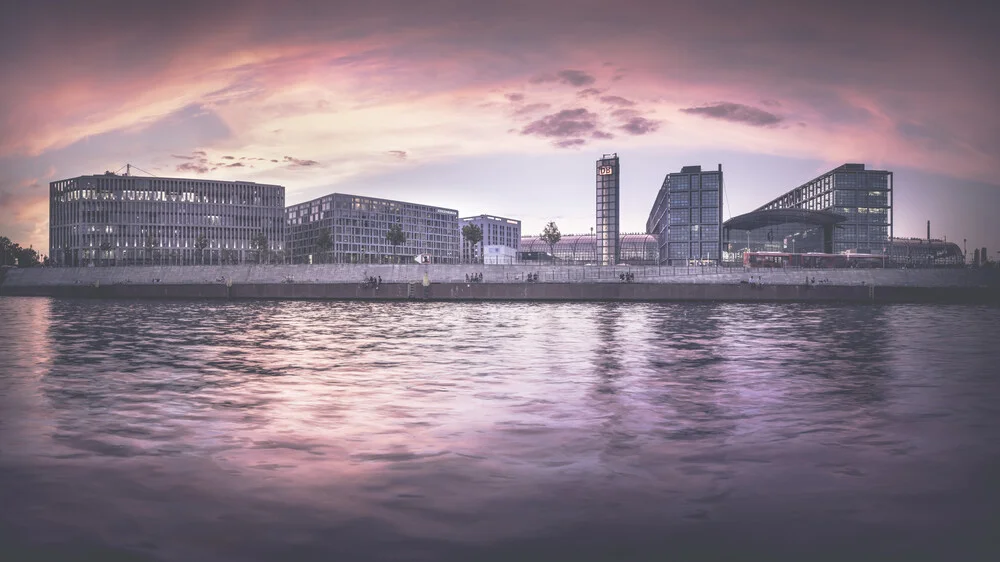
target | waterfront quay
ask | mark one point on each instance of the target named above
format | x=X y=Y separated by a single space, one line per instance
x=507 y=282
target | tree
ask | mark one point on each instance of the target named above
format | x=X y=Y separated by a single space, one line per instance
x=200 y=243
x=6 y=251
x=323 y=243
x=473 y=235
x=259 y=243
x=395 y=236
x=11 y=253
x=551 y=235
x=105 y=248
x=150 y=244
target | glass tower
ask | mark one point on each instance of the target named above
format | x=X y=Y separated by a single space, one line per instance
x=863 y=197
x=687 y=216
x=608 y=196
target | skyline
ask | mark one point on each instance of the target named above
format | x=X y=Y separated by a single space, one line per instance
x=504 y=109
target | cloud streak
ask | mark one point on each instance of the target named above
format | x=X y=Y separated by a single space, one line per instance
x=565 y=123
x=736 y=113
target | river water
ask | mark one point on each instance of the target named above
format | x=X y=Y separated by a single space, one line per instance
x=189 y=431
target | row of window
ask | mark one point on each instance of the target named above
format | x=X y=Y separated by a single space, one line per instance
x=697 y=251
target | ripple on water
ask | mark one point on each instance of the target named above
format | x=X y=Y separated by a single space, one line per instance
x=437 y=427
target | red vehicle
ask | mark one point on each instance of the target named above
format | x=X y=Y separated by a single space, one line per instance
x=812 y=261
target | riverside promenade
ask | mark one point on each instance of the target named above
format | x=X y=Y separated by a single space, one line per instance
x=507 y=282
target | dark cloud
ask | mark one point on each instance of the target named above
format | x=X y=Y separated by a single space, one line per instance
x=602 y=135
x=640 y=126
x=736 y=113
x=566 y=123
x=180 y=157
x=194 y=167
x=571 y=77
x=515 y=97
x=932 y=138
x=229 y=158
x=575 y=77
x=569 y=143
x=542 y=78
x=400 y=154
x=589 y=92
x=625 y=114
x=532 y=108
x=299 y=163
x=617 y=100
x=771 y=103
x=273 y=160
x=199 y=153
x=234 y=165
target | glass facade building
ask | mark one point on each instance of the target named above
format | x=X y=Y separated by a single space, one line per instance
x=571 y=249
x=608 y=209
x=497 y=231
x=687 y=216
x=779 y=230
x=113 y=219
x=863 y=197
x=340 y=228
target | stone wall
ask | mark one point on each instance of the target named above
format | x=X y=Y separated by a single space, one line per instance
x=606 y=292
x=491 y=274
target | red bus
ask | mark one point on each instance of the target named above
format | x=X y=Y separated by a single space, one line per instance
x=812 y=260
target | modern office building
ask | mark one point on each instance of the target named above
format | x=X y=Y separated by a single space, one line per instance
x=572 y=249
x=113 y=219
x=687 y=215
x=862 y=197
x=340 y=228
x=498 y=232
x=608 y=209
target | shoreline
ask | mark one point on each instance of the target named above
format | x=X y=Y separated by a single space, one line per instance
x=507 y=283
x=521 y=292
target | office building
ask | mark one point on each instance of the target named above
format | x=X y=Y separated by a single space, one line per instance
x=608 y=209
x=340 y=228
x=111 y=219
x=687 y=215
x=498 y=233
x=862 y=197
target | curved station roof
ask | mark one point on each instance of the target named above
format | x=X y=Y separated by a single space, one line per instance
x=771 y=217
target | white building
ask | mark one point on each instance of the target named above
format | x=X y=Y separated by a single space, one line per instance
x=497 y=231
x=500 y=255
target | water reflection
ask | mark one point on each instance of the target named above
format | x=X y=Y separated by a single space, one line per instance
x=428 y=430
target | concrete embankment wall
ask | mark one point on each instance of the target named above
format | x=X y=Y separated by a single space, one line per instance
x=524 y=292
x=505 y=283
x=491 y=274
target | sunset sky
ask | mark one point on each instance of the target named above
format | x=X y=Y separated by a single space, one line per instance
x=503 y=107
